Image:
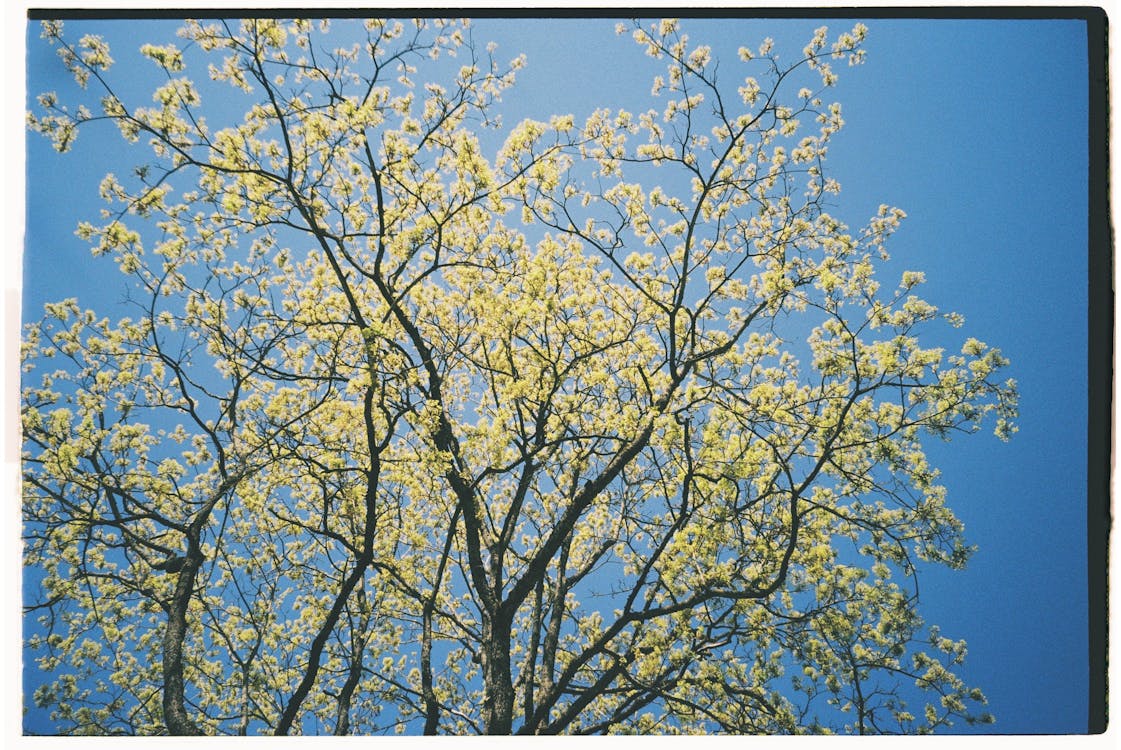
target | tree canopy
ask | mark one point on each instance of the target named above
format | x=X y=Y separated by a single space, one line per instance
x=421 y=421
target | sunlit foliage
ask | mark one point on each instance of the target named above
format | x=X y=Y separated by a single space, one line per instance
x=422 y=421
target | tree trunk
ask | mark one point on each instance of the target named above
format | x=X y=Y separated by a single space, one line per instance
x=174 y=702
x=354 y=675
x=498 y=686
x=315 y=655
x=428 y=693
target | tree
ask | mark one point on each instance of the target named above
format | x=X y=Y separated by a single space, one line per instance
x=599 y=427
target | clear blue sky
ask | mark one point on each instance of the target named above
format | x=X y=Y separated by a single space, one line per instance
x=977 y=129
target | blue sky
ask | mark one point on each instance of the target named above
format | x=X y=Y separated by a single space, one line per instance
x=977 y=129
